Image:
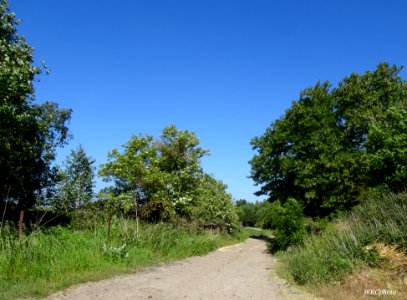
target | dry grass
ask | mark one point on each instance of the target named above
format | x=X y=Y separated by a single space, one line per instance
x=392 y=276
x=354 y=286
x=396 y=257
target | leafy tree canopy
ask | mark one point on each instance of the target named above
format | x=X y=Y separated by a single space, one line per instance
x=335 y=143
x=29 y=132
x=166 y=179
x=165 y=168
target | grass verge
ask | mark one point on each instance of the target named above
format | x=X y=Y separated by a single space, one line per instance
x=365 y=249
x=56 y=258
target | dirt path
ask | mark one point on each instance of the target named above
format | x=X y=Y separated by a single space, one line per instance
x=236 y=272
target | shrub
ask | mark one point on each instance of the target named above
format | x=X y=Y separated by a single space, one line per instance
x=247 y=214
x=287 y=222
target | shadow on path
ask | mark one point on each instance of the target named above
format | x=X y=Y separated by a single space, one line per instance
x=262 y=237
x=266 y=239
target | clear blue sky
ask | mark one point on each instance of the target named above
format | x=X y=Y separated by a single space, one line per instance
x=223 y=69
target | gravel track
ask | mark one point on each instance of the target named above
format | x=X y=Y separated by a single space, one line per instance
x=240 y=271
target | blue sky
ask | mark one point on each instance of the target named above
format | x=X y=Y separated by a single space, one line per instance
x=223 y=69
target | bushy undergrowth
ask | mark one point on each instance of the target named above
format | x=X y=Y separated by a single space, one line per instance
x=55 y=258
x=286 y=221
x=349 y=242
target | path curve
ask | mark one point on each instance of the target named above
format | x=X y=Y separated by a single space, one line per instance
x=240 y=271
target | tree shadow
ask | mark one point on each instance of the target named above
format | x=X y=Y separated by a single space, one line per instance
x=266 y=239
x=262 y=237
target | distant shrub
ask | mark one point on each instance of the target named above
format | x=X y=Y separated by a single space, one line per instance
x=247 y=214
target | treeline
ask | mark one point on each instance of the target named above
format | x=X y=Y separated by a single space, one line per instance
x=257 y=214
x=156 y=179
x=334 y=146
x=333 y=149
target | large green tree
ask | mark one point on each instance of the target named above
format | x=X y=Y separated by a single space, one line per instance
x=29 y=132
x=166 y=179
x=157 y=172
x=334 y=143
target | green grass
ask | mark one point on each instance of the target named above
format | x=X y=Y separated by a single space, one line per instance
x=56 y=258
x=254 y=232
x=344 y=245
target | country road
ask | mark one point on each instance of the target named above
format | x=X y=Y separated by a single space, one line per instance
x=242 y=271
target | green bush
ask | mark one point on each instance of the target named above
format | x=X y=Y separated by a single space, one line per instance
x=287 y=222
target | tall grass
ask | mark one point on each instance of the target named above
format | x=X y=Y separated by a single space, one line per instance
x=58 y=257
x=349 y=242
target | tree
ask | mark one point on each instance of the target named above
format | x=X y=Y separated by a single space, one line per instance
x=166 y=179
x=159 y=173
x=214 y=204
x=76 y=181
x=180 y=157
x=29 y=132
x=329 y=146
x=115 y=202
x=297 y=152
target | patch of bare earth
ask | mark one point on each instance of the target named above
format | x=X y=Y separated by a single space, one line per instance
x=243 y=271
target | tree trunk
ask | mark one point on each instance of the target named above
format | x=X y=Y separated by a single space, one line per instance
x=20 y=226
x=137 y=232
x=109 y=224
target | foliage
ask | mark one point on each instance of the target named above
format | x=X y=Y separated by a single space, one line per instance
x=350 y=242
x=180 y=158
x=332 y=144
x=287 y=223
x=167 y=181
x=253 y=214
x=214 y=204
x=246 y=212
x=75 y=187
x=88 y=217
x=159 y=173
x=29 y=132
x=285 y=220
x=386 y=145
x=263 y=214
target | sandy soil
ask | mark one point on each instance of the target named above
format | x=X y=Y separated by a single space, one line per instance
x=242 y=271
